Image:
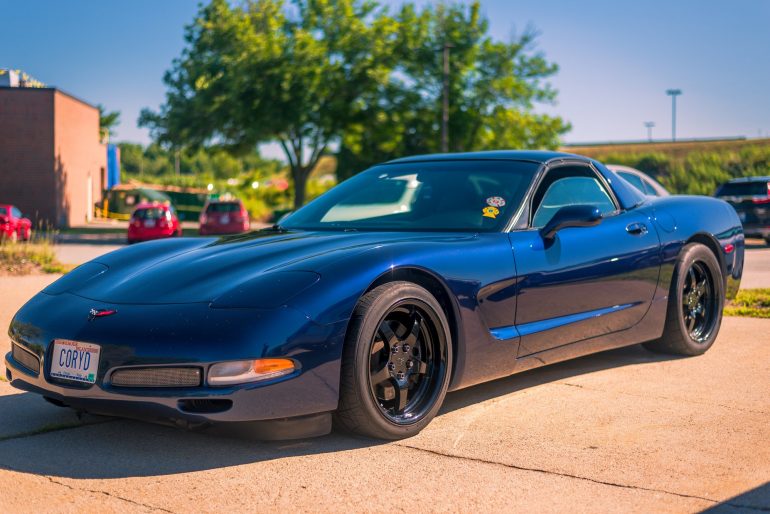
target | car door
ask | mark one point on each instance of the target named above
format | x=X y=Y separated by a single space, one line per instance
x=587 y=281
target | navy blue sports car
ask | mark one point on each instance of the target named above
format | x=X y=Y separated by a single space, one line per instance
x=416 y=277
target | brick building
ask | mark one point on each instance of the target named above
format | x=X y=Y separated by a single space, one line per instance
x=52 y=163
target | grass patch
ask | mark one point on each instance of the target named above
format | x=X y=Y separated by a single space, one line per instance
x=25 y=258
x=751 y=303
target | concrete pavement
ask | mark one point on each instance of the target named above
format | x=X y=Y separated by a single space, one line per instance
x=624 y=430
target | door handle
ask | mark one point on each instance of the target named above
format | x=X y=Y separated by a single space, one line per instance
x=637 y=229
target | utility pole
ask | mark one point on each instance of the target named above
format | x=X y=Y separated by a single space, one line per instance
x=649 y=125
x=673 y=93
x=445 y=100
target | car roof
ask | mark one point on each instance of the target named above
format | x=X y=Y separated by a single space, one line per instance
x=749 y=179
x=539 y=156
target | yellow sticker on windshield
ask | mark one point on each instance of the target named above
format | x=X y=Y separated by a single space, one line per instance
x=490 y=212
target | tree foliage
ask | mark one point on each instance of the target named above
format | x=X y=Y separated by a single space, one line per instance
x=264 y=71
x=202 y=164
x=107 y=122
x=315 y=73
x=493 y=89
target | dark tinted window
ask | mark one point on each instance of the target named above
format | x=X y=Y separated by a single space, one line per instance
x=150 y=214
x=754 y=188
x=422 y=196
x=3 y=211
x=224 y=207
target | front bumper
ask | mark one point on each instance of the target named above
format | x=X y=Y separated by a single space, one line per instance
x=181 y=335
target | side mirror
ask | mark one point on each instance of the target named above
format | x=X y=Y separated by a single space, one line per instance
x=571 y=216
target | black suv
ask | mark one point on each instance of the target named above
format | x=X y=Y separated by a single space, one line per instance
x=750 y=197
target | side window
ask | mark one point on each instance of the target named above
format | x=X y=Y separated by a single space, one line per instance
x=569 y=186
x=16 y=212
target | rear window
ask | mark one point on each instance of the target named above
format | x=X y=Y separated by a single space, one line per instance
x=224 y=207
x=754 y=188
x=150 y=214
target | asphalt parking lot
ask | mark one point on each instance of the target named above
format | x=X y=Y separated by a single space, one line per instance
x=624 y=430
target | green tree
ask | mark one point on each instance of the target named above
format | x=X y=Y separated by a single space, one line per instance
x=264 y=71
x=493 y=89
x=107 y=122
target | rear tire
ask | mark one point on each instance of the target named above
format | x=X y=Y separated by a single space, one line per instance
x=396 y=363
x=695 y=304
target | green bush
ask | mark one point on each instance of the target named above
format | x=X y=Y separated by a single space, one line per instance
x=697 y=172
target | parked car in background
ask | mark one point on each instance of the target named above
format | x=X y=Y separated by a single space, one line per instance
x=13 y=225
x=153 y=221
x=640 y=180
x=750 y=197
x=224 y=217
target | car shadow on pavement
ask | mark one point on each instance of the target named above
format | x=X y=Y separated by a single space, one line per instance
x=599 y=361
x=757 y=500
x=118 y=448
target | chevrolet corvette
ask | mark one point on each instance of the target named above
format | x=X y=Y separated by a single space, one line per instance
x=363 y=308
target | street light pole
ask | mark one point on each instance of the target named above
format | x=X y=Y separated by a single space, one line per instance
x=649 y=125
x=445 y=100
x=673 y=93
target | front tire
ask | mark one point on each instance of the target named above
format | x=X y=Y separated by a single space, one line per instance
x=695 y=304
x=396 y=363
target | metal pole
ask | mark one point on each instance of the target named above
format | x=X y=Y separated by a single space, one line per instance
x=649 y=125
x=445 y=102
x=673 y=93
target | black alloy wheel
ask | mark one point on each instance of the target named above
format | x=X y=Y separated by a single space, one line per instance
x=406 y=362
x=699 y=302
x=695 y=302
x=396 y=362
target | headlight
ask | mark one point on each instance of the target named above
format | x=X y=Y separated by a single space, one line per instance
x=242 y=372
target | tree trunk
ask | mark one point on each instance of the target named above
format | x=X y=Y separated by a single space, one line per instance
x=300 y=175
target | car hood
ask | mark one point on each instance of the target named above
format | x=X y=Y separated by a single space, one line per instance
x=203 y=269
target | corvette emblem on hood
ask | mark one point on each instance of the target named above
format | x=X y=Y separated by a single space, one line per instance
x=100 y=313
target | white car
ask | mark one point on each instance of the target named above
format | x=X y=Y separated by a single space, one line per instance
x=640 y=180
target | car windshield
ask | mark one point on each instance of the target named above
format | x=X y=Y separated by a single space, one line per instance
x=150 y=214
x=478 y=196
x=224 y=207
x=753 y=188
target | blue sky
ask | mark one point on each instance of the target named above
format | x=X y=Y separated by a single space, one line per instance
x=617 y=58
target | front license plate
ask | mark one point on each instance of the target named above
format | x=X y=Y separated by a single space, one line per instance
x=73 y=360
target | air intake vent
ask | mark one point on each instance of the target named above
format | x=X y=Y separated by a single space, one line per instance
x=26 y=358
x=156 y=377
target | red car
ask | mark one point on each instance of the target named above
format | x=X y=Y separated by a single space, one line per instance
x=153 y=221
x=13 y=225
x=224 y=217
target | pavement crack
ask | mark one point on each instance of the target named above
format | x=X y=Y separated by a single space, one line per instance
x=108 y=494
x=578 y=477
x=666 y=398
